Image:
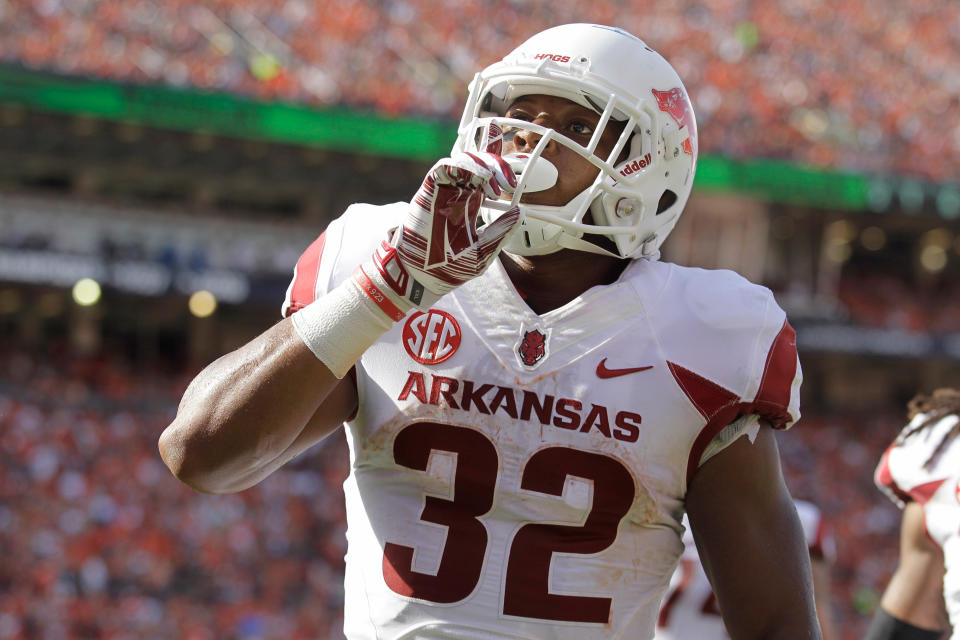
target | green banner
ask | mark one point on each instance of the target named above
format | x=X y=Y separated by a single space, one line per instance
x=778 y=181
x=219 y=113
x=356 y=131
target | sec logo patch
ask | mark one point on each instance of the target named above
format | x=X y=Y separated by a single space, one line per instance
x=432 y=336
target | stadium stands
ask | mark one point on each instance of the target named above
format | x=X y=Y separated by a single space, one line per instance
x=862 y=85
x=101 y=542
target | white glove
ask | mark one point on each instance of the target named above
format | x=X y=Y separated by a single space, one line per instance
x=438 y=247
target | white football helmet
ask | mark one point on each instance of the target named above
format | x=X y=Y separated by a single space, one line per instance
x=636 y=202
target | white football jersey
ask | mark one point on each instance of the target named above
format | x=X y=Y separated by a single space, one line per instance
x=523 y=476
x=689 y=608
x=904 y=476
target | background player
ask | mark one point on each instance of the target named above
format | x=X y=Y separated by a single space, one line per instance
x=493 y=491
x=920 y=472
x=690 y=609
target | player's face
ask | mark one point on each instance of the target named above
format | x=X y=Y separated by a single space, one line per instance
x=571 y=120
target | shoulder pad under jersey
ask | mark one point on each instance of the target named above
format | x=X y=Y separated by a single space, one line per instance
x=717 y=326
x=332 y=257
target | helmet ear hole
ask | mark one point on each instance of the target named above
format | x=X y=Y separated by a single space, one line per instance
x=667 y=200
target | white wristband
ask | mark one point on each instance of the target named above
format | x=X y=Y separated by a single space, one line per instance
x=340 y=326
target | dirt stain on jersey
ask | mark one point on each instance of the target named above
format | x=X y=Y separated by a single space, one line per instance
x=380 y=438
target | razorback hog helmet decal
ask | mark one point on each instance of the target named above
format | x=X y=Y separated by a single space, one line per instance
x=675 y=103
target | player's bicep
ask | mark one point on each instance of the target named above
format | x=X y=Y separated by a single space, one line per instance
x=751 y=541
x=915 y=592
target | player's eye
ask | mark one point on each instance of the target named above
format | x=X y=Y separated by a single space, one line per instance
x=518 y=115
x=580 y=128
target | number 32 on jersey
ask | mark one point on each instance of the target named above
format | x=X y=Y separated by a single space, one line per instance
x=526 y=591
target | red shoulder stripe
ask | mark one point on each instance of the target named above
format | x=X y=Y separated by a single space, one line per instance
x=721 y=406
x=718 y=405
x=706 y=395
x=304 y=288
x=773 y=397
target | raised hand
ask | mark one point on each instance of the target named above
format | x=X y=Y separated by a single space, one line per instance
x=438 y=246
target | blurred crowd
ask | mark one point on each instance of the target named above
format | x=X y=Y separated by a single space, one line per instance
x=101 y=542
x=883 y=299
x=867 y=85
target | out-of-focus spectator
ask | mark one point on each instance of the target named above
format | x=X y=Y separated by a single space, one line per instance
x=866 y=85
x=883 y=299
x=99 y=542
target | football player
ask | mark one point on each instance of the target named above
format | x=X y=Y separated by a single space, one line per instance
x=920 y=472
x=532 y=399
x=689 y=608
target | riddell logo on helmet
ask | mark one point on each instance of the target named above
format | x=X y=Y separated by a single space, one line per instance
x=636 y=165
x=553 y=56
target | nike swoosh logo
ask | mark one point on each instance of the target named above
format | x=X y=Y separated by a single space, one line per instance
x=604 y=372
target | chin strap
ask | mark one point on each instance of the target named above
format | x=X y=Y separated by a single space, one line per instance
x=566 y=241
x=579 y=244
x=649 y=248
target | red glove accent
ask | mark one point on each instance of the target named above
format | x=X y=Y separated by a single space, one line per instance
x=438 y=246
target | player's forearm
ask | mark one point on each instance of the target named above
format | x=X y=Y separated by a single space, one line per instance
x=246 y=410
x=242 y=412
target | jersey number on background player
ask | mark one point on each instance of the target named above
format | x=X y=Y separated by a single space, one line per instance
x=526 y=592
